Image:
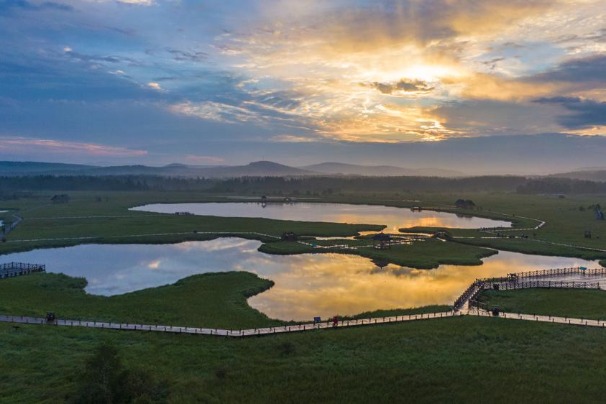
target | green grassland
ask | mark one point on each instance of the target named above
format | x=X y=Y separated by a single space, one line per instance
x=587 y=304
x=462 y=359
x=214 y=300
x=566 y=219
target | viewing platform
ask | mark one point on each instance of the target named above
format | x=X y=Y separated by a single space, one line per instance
x=13 y=269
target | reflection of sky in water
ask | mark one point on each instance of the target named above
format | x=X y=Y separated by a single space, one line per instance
x=305 y=285
x=393 y=218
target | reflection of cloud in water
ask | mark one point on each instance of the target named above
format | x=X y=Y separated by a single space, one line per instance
x=218 y=244
x=305 y=285
x=351 y=285
x=154 y=264
x=393 y=218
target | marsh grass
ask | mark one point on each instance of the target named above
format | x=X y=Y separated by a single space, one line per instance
x=579 y=303
x=463 y=359
x=214 y=300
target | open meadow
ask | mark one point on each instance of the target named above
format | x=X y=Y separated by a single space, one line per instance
x=462 y=359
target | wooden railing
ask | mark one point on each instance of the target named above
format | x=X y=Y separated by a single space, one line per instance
x=545 y=273
x=12 y=269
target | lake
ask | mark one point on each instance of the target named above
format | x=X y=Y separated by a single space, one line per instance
x=393 y=218
x=305 y=285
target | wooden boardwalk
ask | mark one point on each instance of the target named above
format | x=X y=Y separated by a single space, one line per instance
x=251 y=332
x=562 y=278
x=543 y=319
x=12 y=269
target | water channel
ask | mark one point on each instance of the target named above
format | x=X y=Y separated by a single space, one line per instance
x=305 y=285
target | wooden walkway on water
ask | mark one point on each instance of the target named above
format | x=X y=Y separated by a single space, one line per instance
x=563 y=278
x=13 y=269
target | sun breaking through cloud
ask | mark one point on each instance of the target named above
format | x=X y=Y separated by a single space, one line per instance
x=176 y=73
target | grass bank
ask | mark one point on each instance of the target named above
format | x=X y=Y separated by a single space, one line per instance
x=587 y=304
x=215 y=300
x=425 y=254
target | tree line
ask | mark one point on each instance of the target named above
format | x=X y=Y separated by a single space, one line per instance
x=300 y=186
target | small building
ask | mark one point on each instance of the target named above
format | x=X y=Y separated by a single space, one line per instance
x=443 y=235
x=289 y=236
x=381 y=241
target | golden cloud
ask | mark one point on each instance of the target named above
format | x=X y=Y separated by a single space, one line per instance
x=381 y=72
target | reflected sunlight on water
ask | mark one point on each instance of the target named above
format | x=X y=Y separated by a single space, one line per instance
x=344 y=285
x=305 y=285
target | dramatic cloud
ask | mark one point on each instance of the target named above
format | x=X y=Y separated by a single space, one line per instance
x=181 y=75
x=584 y=113
x=403 y=86
x=215 y=111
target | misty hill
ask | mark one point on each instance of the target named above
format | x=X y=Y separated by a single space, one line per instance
x=588 y=175
x=378 y=171
x=37 y=168
x=255 y=169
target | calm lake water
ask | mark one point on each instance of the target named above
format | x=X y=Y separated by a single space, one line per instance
x=393 y=218
x=305 y=285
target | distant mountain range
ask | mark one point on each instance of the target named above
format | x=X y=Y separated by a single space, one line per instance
x=255 y=169
x=379 y=171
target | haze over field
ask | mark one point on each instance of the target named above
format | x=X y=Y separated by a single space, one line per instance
x=488 y=87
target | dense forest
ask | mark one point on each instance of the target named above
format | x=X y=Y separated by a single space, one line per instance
x=299 y=186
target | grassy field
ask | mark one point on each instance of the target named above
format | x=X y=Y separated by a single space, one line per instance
x=214 y=300
x=456 y=360
x=587 y=304
x=95 y=217
x=453 y=360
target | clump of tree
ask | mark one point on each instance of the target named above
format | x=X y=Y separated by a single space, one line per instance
x=465 y=204
x=13 y=187
x=105 y=379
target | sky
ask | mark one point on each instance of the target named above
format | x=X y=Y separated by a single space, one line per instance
x=299 y=82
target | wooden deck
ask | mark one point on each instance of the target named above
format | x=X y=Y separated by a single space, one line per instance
x=13 y=269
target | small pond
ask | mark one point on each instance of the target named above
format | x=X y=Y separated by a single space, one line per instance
x=305 y=285
x=393 y=218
